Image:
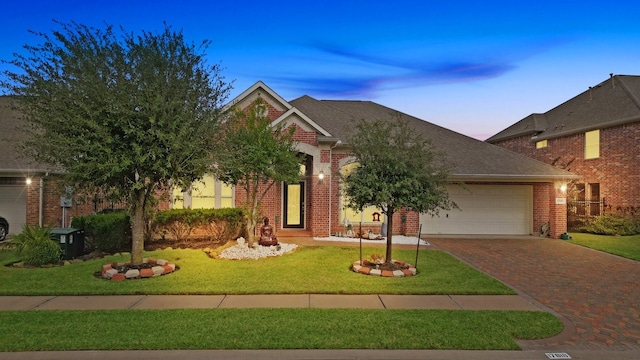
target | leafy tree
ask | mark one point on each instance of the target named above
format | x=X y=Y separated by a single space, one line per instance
x=127 y=114
x=397 y=168
x=255 y=155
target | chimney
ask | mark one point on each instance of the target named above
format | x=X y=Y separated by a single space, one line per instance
x=613 y=84
x=590 y=94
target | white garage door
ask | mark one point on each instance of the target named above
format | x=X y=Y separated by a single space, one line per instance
x=13 y=206
x=485 y=209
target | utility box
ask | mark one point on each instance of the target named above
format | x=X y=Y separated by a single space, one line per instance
x=71 y=241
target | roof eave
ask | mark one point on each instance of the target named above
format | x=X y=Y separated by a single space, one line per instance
x=583 y=129
x=493 y=139
x=512 y=177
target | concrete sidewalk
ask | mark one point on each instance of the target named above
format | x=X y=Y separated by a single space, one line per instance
x=324 y=301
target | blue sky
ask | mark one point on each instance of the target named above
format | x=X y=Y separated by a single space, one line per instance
x=474 y=67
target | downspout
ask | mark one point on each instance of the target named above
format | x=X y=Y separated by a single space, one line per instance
x=41 y=201
x=331 y=182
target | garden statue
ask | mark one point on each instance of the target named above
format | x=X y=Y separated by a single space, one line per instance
x=267 y=237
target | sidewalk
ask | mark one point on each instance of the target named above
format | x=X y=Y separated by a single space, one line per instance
x=326 y=301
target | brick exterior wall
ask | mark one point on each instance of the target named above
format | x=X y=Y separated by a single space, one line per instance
x=617 y=170
x=52 y=212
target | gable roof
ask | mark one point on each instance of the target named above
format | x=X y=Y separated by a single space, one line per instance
x=471 y=158
x=613 y=102
x=12 y=161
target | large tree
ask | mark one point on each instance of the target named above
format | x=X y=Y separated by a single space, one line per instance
x=255 y=155
x=127 y=114
x=398 y=168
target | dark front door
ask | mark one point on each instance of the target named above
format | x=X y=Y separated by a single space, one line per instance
x=293 y=205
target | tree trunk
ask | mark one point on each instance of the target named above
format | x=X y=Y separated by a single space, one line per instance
x=251 y=230
x=138 y=226
x=252 y=216
x=387 y=257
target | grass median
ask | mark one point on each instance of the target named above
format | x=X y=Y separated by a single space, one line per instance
x=271 y=329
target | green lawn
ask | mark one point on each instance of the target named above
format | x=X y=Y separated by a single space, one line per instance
x=307 y=270
x=625 y=246
x=271 y=329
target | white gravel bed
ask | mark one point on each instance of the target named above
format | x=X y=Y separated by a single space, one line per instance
x=242 y=252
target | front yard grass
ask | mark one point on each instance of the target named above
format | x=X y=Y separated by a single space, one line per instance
x=322 y=270
x=307 y=270
x=271 y=329
x=625 y=246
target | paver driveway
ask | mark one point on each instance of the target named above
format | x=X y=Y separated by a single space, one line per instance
x=599 y=293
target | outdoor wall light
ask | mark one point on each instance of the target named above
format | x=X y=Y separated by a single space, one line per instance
x=321 y=176
x=563 y=188
x=28 y=181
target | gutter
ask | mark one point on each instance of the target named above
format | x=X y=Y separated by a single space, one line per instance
x=583 y=129
x=509 y=177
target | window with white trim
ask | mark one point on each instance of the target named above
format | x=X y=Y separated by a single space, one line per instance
x=208 y=193
x=370 y=214
x=592 y=144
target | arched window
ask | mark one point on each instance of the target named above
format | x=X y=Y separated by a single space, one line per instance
x=370 y=214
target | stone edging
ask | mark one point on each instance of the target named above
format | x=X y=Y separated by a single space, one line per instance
x=371 y=270
x=161 y=267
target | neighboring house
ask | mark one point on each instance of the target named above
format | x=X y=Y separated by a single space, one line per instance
x=505 y=193
x=595 y=135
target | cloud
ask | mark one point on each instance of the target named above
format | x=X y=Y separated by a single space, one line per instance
x=364 y=75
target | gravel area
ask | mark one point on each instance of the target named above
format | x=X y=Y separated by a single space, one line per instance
x=241 y=251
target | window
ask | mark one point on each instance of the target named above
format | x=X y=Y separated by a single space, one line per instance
x=541 y=144
x=367 y=215
x=592 y=144
x=207 y=193
x=594 y=203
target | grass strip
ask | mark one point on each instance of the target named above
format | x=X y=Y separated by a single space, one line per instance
x=321 y=270
x=271 y=329
x=625 y=246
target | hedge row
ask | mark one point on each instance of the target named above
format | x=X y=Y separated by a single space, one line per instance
x=111 y=232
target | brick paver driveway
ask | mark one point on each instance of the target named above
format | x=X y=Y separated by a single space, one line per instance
x=597 y=292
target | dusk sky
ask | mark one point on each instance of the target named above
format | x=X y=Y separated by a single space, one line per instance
x=474 y=67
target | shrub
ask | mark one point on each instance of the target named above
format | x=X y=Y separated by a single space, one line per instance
x=217 y=224
x=611 y=224
x=35 y=247
x=109 y=232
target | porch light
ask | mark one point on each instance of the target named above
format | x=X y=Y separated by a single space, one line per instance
x=28 y=181
x=321 y=175
x=563 y=188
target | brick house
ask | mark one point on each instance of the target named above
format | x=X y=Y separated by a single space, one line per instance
x=595 y=135
x=504 y=193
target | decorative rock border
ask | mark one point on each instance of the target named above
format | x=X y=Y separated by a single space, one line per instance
x=369 y=269
x=159 y=267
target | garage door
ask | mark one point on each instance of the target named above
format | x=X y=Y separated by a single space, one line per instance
x=13 y=206
x=485 y=209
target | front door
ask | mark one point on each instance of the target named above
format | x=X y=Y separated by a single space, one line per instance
x=294 y=205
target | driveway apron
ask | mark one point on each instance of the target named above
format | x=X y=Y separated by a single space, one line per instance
x=597 y=292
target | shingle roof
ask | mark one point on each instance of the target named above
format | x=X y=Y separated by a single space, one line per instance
x=613 y=102
x=471 y=158
x=11 y=159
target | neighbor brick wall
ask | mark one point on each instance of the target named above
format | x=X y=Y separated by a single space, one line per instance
x=52 y=190
x=617 y=170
